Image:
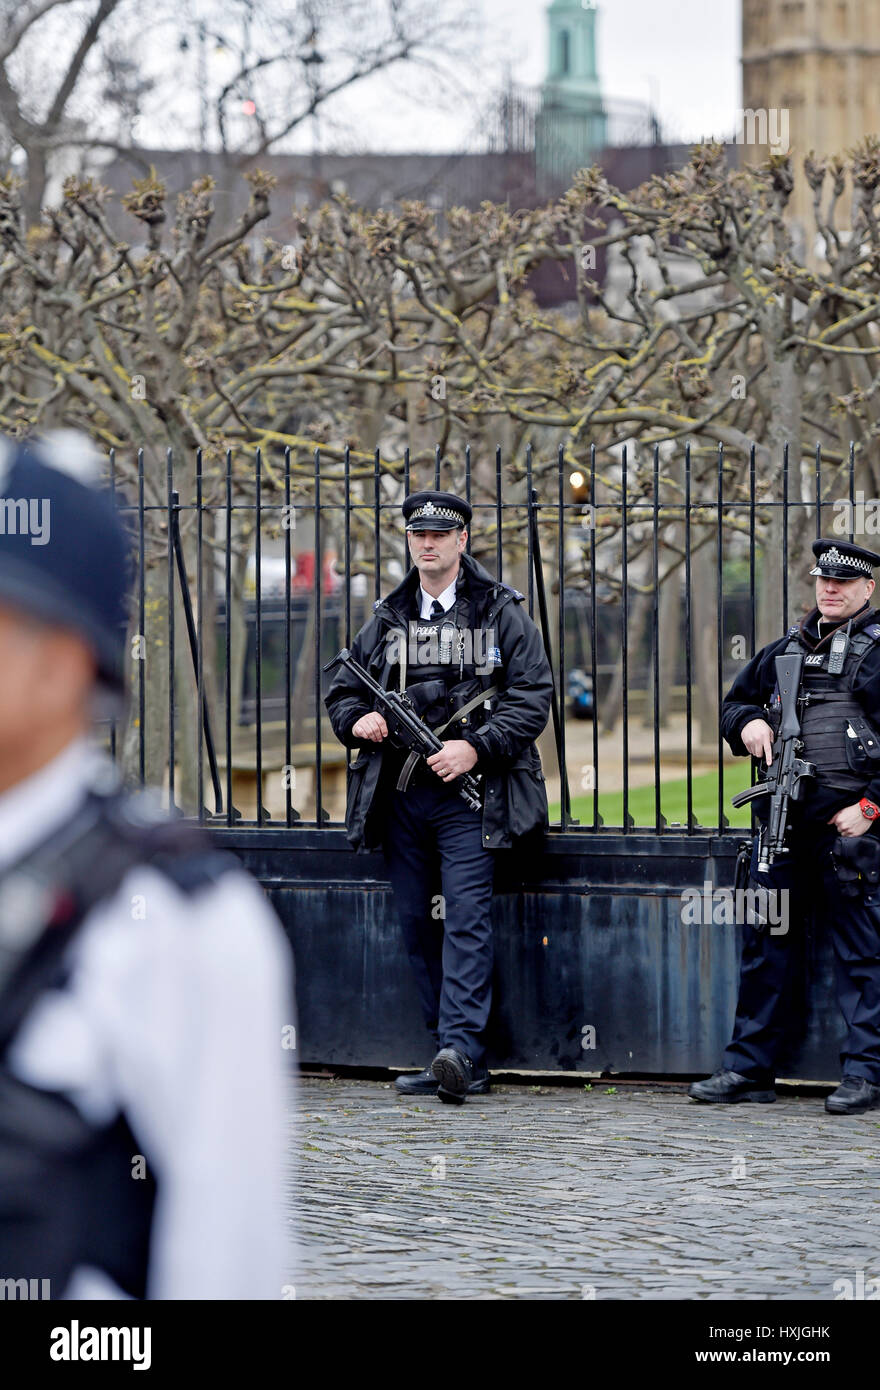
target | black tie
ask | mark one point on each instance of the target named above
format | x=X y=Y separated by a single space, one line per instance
x=437 y=609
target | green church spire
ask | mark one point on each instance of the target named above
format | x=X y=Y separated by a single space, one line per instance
x=571 y=126
x=572 y=64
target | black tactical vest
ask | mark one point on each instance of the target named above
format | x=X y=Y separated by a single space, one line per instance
x=836 y=736
x=70 y=1193
x=441 y=663
x=444 y=660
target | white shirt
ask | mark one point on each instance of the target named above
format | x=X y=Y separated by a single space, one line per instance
x=174 y=1011
x=447 y=599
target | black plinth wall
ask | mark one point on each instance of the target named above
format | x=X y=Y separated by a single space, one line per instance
x=595 y=969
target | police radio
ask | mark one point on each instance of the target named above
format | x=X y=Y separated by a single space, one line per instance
x=838 y=650
x=447 y=642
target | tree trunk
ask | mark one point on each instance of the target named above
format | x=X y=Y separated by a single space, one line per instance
x=704 y=644
x=237 y=632
x=304 y=680
x=670 y=624
x=149 y=652
x=35 y=185
x=189 y=715
x=785 y=428
x=612 y=705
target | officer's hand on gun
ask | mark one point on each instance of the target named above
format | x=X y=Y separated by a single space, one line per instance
x=455 y=757
x=757 y=737
x=371 y=726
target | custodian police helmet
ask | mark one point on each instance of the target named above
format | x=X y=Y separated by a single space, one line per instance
x=64 y=552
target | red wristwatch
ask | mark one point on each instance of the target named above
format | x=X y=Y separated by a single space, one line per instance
x=869 y=809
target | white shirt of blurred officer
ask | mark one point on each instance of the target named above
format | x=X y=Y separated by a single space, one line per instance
x=177 y=1018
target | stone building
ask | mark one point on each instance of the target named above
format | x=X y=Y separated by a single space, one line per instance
x=811 y=71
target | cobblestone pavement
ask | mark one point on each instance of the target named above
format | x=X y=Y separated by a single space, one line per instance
x=568 y=1193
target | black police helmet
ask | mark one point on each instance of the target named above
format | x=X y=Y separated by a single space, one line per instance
x=65 y=555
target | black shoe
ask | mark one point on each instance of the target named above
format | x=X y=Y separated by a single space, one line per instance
x=454 y=1072
x=426 y=1083
x=853 y=1095
x=729 y=1087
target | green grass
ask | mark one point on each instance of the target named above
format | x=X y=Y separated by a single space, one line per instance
x=673 y=802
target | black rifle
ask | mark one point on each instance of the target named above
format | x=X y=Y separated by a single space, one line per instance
x=785 y=777
x=409 y=731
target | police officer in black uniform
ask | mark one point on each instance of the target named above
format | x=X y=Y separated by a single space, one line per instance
x=835 y=861
x=144 y=979
x=471 y=660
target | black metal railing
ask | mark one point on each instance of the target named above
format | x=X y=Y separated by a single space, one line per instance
x=644 y=571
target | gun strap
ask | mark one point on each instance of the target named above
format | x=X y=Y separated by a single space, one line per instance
x=480 y=699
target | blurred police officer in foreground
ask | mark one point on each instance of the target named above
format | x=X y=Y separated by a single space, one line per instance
x=472 y=662
x=835 y=860
x=144 y=981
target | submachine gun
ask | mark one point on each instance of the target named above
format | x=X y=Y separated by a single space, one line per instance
x=406 y=729
x=786 y=776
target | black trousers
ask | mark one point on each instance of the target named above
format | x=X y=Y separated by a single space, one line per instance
x=773 y=970
x=441 y=877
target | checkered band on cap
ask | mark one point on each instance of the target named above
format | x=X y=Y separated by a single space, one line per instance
x=853 y=562
x=431 y=509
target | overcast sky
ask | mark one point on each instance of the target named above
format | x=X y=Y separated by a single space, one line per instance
x=683 y=55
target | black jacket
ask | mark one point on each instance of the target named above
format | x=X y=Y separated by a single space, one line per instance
x=753 y=687
x=515 y=799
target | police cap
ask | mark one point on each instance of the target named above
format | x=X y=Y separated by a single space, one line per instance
x=435 y=511
x=64 y=552
x=842 y=560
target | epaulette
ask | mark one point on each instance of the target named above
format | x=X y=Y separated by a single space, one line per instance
x=511 y=590
x=793 y=630
x=872 y=630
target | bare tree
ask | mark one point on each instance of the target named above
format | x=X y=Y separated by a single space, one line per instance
x=382 y=330
x=32 y=113
x=234 y=76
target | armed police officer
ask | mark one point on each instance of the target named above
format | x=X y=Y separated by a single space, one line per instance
x=835 y=849
x=144 y=980
x=471 y=662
